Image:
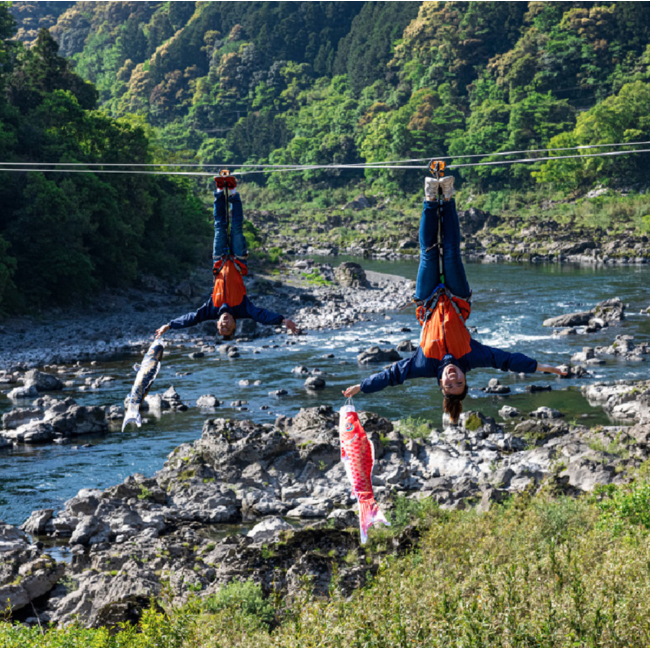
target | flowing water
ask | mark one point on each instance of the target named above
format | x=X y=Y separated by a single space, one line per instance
x=509 y=305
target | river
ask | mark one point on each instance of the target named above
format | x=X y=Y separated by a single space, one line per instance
x=509 y=305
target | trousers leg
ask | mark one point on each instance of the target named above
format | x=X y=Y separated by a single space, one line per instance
x=455 y=278
x=428 y=271
x=220 y=246
x=237 y=238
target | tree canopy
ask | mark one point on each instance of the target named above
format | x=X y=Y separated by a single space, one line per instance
x=63 y=235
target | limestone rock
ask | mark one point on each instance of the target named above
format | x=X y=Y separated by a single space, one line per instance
x=315 y=383
x=42 y=381
x=495 y=387
x=208 y=401
x=375 y=354
x=269 y=529
x=351 y=275
x=570 y=319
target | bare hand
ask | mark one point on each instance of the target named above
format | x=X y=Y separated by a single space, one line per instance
x=352 y=391
x=550 y=369
x=162 y=330
x=291 y=326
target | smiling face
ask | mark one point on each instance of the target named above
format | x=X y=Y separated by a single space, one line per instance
x=452 y=381
x=226 y=324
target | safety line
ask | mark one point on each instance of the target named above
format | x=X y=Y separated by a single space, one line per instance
x=456 y=166
x=317 y=167
x=302 y=166
x=504 y=153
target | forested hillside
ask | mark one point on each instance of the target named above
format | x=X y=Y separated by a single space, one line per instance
x=64 y=235
x=320 y=82
x=330 y=82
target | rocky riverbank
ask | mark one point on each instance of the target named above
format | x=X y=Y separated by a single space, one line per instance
x=122 y=322
x=487 y=238
x=40 y=416
x=284 y=483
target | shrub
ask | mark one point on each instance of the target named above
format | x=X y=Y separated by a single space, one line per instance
x=246 y=598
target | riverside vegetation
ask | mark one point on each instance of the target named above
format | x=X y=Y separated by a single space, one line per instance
x=536 y=570
x=310 y=83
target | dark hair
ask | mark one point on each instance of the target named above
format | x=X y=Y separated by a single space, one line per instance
x=452 y=404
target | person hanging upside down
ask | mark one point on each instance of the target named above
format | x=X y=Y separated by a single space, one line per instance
x=228 y=301
x=447 y=352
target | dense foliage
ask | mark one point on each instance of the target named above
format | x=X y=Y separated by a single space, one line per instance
x=543 y=571
x=319 y=82
x=298 y=83
x=63 y=235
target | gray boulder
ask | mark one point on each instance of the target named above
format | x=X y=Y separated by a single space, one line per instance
x=375 y=354
x=42 y=381
x=173 y=400
x=26 y=391
x=33 y=432
x=268 y=530
x=473 y=220
x=208 y=401
x=315 y=383
x=495 y=387
x=25 y=573
x=36 y=523
x=507 y=412
x=610 y=310
x=570 y=319
x=351 y=275
x=360 y=202
x=546 y=413
x=18 y=416
x=406 y=346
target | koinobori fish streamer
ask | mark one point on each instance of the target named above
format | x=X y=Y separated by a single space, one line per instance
x=147 y=373
x=358 y=457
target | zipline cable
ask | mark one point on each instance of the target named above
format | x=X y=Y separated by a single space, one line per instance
x=302 y=166
x=317 y=167
x=504 y=153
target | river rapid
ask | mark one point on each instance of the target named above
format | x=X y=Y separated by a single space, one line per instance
x=510 y=302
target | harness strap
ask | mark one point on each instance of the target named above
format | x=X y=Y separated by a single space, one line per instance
x=242 y=268
x=425 y=309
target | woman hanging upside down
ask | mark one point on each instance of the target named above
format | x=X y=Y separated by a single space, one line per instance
x=228 y=301
x=447 y=352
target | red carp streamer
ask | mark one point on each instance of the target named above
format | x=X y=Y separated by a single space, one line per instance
x=358 y=457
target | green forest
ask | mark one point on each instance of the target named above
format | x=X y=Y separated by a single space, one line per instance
x=295 y=83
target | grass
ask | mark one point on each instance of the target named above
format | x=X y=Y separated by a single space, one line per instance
x=314 y=216
x=536 y=571
x=415 y=428
x=315 y=278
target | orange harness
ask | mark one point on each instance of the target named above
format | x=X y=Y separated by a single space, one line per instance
x=229 y=283
x=444 y=329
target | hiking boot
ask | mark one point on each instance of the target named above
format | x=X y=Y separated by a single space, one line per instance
x=231 y=182
x=431 y=189
x=447 y=184
x=220 y=181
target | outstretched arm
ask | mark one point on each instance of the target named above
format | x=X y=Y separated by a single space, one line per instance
x=262 y=315
x=206 y=312
x=550 y=369
x=415 y=366
x=485 y=356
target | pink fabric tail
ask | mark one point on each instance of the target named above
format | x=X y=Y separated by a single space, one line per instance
x=369 y=514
